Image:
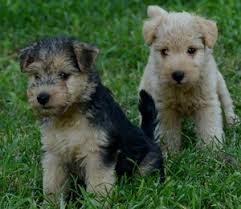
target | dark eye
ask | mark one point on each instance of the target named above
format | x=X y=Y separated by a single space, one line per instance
x=63 y=76
x=191 y=51
x=37 y=77
x=164 y=52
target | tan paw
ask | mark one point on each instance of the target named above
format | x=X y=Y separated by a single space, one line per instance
x=233 y=120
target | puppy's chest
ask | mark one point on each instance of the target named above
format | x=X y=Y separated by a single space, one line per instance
x=183 y=101
x=72 y=140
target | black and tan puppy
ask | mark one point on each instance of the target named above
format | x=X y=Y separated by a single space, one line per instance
x=84 y=131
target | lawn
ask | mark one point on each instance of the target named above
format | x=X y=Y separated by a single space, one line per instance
x=195 y=178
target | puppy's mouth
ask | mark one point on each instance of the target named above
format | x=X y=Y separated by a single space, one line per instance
x=46 y=110
x=47 y=107
x=179 y=83
x=51 y=110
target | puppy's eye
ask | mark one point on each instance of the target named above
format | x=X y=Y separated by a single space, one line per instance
x=191 y=51
x=37 y=77
x=164 y=52
x=63 y=76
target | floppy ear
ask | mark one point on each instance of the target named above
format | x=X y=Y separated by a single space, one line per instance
x=149 y=29
x=85 y=55
x=153 y=11
x=26 y=58
x=209 y=30
x=156 y=14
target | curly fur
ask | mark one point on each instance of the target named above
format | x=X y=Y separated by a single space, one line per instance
x=202 y=90
x=84 y=131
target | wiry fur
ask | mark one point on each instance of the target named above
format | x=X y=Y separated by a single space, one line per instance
x=84 y=131
x=202 y=90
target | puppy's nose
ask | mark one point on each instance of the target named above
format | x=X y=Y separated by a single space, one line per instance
x=178 y=76
x=43 y=98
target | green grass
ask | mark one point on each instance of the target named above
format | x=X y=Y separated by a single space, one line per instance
x=195 y=178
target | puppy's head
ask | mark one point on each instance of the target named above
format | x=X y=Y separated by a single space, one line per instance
x=60 y=71
x=180 y=44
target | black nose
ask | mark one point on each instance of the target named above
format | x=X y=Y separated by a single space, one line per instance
x=43 y=98
x=178 y=76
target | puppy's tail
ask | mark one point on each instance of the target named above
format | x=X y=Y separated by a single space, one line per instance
x=149 y=116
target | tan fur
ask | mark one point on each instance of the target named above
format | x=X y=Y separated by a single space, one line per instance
x=78 y=49
x=71 y=144
x=203 y=87
x=209 y=30
x=154 y=11
x=62 y=93
x=157 y=15
x=70 y=139
x=149 y=29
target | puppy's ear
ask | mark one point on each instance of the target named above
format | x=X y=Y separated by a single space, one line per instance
x=26 y=58
x=85 y=55
x=153 y=11
x=156 y=14
x=149 y=29
x=209 y=30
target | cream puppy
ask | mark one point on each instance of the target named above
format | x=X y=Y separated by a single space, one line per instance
x=183 y=78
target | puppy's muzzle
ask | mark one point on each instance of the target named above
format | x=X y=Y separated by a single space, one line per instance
x=43 y=98
x=178 y=76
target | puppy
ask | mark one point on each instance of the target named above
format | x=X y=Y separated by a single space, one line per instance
x=182 y=76
x=84 y=131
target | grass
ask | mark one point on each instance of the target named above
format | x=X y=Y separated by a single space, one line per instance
x=195 y=178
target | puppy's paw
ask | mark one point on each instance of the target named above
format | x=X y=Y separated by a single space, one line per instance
x=233 y=120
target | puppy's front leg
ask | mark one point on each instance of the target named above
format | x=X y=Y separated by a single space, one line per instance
x=209 y=124
x=170 y=130
x=99 y=175
x=226 y=101
x=54 y=178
